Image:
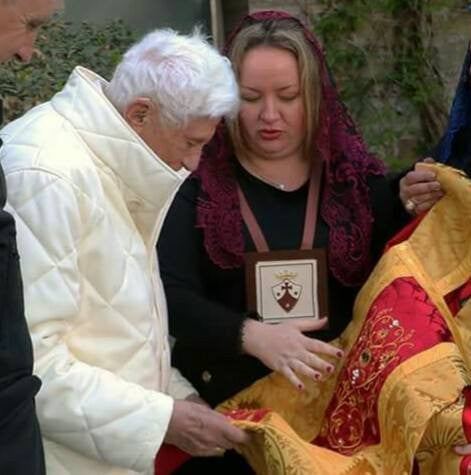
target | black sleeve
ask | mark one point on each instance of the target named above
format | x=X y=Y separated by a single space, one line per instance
x=194 y=318
x=20 y=440
x=388 y=213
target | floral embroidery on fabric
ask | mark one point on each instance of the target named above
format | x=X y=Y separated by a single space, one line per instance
x=401 y=323
x=345 y=200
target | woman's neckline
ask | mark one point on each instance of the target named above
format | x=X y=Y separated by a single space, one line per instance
x=277 y=187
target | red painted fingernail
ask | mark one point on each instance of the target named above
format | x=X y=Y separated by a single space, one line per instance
x=300 y=387
x=330 y=369
x=317 y=376
x=339 y=354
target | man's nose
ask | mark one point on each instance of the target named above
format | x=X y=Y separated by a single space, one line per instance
x=192 y=162
x=25 y=52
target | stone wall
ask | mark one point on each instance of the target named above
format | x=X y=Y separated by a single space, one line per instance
x=451 y=37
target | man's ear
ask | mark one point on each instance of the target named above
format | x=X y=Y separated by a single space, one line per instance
x=138 y=112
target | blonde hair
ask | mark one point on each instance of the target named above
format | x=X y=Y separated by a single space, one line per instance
x=288 y=35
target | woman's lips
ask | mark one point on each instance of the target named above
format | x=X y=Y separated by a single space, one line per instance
x=270 y=134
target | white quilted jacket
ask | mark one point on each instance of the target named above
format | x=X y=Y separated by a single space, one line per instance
x=89 y=198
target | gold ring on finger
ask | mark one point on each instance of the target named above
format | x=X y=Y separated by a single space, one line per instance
x=410 y=206
x=219 y=451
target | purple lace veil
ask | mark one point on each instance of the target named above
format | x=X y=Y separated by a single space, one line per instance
x=345 y=205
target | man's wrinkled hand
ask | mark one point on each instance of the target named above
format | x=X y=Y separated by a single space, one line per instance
x=419 y=190
x=201 y=431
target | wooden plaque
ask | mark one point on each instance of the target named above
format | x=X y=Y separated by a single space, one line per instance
x=282 y=285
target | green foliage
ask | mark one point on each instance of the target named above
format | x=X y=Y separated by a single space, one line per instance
x=383 y=57
x=61 y=47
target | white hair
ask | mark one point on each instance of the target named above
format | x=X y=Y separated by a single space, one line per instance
x=184 y=75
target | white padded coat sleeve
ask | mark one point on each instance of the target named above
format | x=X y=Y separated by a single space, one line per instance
x=84 y=407
x=179 y=387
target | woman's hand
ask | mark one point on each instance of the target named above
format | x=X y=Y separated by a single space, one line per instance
x=283 y=347
x=419 y=190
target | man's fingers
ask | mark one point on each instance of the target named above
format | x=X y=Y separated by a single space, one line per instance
x=210 y=452
x=429 y=160
x=420 y=188
x=428 y=198
x=463 y=449
x=235 y=436
x=432 y=197
x=226 y=434
x=201 y=431
x=419 y=176
x=425 y=206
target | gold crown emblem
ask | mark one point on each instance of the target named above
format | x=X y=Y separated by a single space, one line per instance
x=286 y=275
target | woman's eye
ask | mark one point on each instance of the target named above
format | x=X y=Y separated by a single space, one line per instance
x=250 y=98
x=291 y=97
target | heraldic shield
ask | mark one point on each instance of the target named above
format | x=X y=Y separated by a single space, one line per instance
x=286 y=284
x=287 y=294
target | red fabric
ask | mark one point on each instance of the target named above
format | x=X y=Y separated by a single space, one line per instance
x=405 y=232
x=466 y=417
x=253 y=415
x=401 y=323
x=465 y=464
x=345 y=205
x=169 y=459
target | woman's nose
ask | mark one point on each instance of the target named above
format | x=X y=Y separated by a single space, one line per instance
x=269 y=111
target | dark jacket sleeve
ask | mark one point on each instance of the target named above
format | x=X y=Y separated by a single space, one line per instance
x=21 y=449
x=388 y=213
x=194 y=318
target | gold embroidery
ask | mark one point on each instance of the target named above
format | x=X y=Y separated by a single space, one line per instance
x=355 y=400
x=418 y=401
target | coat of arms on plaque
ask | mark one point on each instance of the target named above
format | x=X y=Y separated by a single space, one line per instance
x=282 y=285
x=287 y=292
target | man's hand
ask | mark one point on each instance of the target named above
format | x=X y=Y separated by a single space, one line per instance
x=195 y=398
x=201 y=431
x=464 y=450
x=419 y=190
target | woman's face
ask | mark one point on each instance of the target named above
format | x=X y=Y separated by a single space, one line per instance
x=272 y=112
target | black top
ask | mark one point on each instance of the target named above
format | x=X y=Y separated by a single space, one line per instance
x=207 y=304
x=21 y=449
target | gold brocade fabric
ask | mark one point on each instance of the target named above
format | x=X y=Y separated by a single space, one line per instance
x=398 y=397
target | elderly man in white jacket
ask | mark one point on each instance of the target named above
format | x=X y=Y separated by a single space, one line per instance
x=90 y=175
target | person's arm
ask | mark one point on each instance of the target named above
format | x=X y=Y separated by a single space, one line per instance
x=20 y=438
x=389 y=216
x=84 y=407
x=194 y=318
x=179 y=387
x=202 y=323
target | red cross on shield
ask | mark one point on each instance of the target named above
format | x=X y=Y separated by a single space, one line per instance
x=287 y=294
